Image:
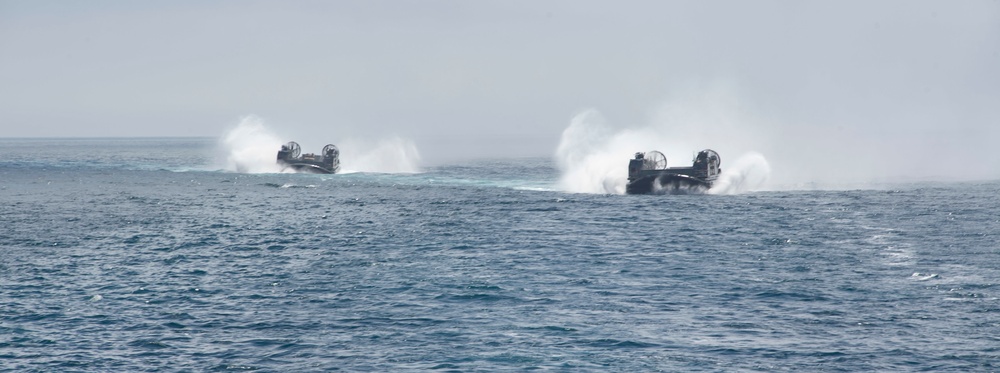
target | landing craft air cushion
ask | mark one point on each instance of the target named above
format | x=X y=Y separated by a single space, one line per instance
x=326 y=163
x=648 y=174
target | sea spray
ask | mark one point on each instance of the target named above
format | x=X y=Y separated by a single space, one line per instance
x=251 y=147
x=583 y=156
x=593 y=157
x=390 y=155
x=749 y=172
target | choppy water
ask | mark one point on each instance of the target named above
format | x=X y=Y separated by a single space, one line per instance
x=135 y=255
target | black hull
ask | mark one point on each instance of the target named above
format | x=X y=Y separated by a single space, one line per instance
x=668 y=183
x=309 y=168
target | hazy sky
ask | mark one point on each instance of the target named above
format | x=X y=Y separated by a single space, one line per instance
x=862 y=88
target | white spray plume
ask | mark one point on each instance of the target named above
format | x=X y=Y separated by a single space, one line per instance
x=589 y=162
x=250 y=147
x=391 y=155
x=593 y=157
x=749 y=172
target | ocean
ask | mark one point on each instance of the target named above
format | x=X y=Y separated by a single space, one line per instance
x=146 y=255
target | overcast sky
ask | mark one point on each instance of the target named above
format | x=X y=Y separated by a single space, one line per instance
x=863 y=87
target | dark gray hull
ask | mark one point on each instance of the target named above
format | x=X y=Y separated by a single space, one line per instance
x=309 y=168
x=668 y=183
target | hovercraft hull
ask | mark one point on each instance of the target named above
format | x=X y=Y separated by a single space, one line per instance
x=310 y=168
x=668 y=183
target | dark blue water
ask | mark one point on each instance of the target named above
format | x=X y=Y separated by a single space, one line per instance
x=137 y=255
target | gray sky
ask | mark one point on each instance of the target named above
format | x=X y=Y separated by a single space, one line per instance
x=823 y=89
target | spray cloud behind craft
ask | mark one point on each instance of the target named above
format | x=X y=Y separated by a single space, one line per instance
x=593 y=154
x=251 y=147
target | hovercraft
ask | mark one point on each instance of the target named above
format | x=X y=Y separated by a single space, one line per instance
x=327 y=162
x=648 y=174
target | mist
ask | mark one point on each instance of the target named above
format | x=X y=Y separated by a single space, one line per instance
x=827 y=94
x=251 y=146
x=593 y=153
